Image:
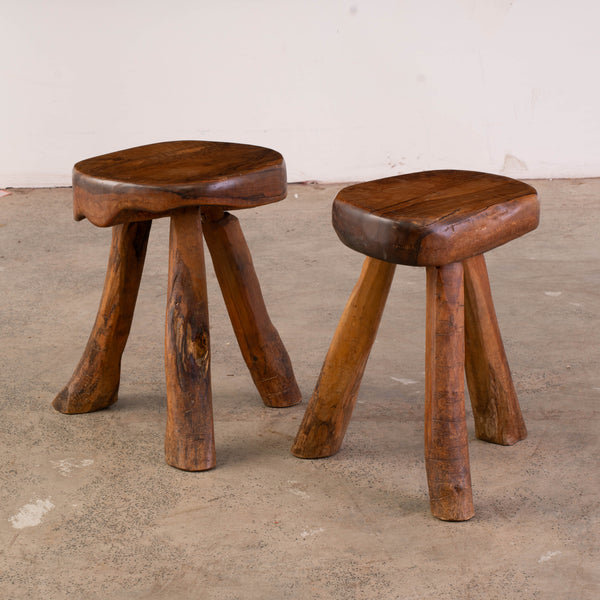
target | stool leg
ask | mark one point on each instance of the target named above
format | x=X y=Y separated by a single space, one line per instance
x=328 y=414
x=189 y=441
x=446 y=444
x=95 y=382
x=261 y=346
x=495 y=405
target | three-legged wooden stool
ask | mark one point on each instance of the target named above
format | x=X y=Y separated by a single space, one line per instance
x=444 y=221
x=194 y=183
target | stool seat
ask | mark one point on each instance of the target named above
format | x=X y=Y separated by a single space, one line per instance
x=434 y=217
x=148 y=182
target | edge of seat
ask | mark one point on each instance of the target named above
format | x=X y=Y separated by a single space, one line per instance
x=418 y=243
x=107 y=201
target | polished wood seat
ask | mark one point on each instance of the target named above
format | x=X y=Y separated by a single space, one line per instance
x=444 y=221
x=194 y=183
x=151 y=181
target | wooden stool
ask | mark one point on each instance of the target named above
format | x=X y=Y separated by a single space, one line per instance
x=444 y=221
x=194 y=183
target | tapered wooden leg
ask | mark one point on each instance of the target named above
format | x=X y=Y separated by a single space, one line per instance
x=95 y=382
x=189 y=441
x=328 y=414
x=446 y=444
x=495 y=405
x=261 y=346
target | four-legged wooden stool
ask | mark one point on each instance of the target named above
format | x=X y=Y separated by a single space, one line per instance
x=194 y=183
x=444 y=221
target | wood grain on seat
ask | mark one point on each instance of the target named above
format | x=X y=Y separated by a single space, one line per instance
x=151 y=181
x=434 y=217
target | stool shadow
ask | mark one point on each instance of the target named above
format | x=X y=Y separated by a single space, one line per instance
x=134 y=402
x=262 y=448
x=269 y=449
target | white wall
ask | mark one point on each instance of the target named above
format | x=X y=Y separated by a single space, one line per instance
x=346 y=90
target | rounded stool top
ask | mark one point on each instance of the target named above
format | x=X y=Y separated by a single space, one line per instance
x=151 y=181
x=434 y=217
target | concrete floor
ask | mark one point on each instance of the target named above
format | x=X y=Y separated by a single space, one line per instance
x=89 y=509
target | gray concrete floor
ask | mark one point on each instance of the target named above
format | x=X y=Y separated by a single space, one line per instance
x=89 y=509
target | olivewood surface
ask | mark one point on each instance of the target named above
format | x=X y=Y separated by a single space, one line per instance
x=446 y=443
x=189 y=441
x=330 y=408
x=150 y=181
x=259 y=341
x=495 y=405
x=95 y=382
x=434 y=217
